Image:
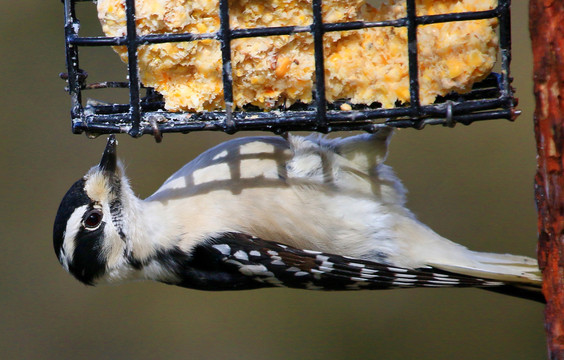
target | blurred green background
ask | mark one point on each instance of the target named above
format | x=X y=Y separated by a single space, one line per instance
x=471 y=184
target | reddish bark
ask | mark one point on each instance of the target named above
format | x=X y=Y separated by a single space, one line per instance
x=546 y=26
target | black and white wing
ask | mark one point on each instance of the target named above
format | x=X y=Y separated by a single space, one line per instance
x=235 y=261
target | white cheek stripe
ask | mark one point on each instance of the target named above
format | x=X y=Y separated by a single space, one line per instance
x=73 y=225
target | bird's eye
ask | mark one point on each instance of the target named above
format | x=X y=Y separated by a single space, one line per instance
x=93 y=219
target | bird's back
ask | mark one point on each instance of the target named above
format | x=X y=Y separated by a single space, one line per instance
x=257 y=185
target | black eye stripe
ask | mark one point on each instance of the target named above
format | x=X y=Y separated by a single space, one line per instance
x=87 y=263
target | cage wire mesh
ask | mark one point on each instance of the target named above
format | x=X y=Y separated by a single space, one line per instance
x=491 y=98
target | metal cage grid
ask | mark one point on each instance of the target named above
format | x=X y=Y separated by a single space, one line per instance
x=492 y=98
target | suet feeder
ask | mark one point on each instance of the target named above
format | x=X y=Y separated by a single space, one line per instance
x=490 y=98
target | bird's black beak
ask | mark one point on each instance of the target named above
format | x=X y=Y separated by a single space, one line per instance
x=109 y=159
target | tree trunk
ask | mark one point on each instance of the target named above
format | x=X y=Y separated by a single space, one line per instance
x=546 y=25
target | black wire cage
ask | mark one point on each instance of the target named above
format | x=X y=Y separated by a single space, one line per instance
x=492 y=98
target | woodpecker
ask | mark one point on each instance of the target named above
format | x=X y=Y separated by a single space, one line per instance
x=300 y=212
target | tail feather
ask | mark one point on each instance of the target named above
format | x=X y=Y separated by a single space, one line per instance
x=520 y=274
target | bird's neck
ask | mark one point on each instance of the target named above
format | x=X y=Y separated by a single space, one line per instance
x=151 y=229
x=148 y=232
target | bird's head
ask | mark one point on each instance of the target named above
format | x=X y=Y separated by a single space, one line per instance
x=89 y=234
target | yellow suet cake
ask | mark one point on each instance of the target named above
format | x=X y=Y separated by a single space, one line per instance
x=364 y=66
